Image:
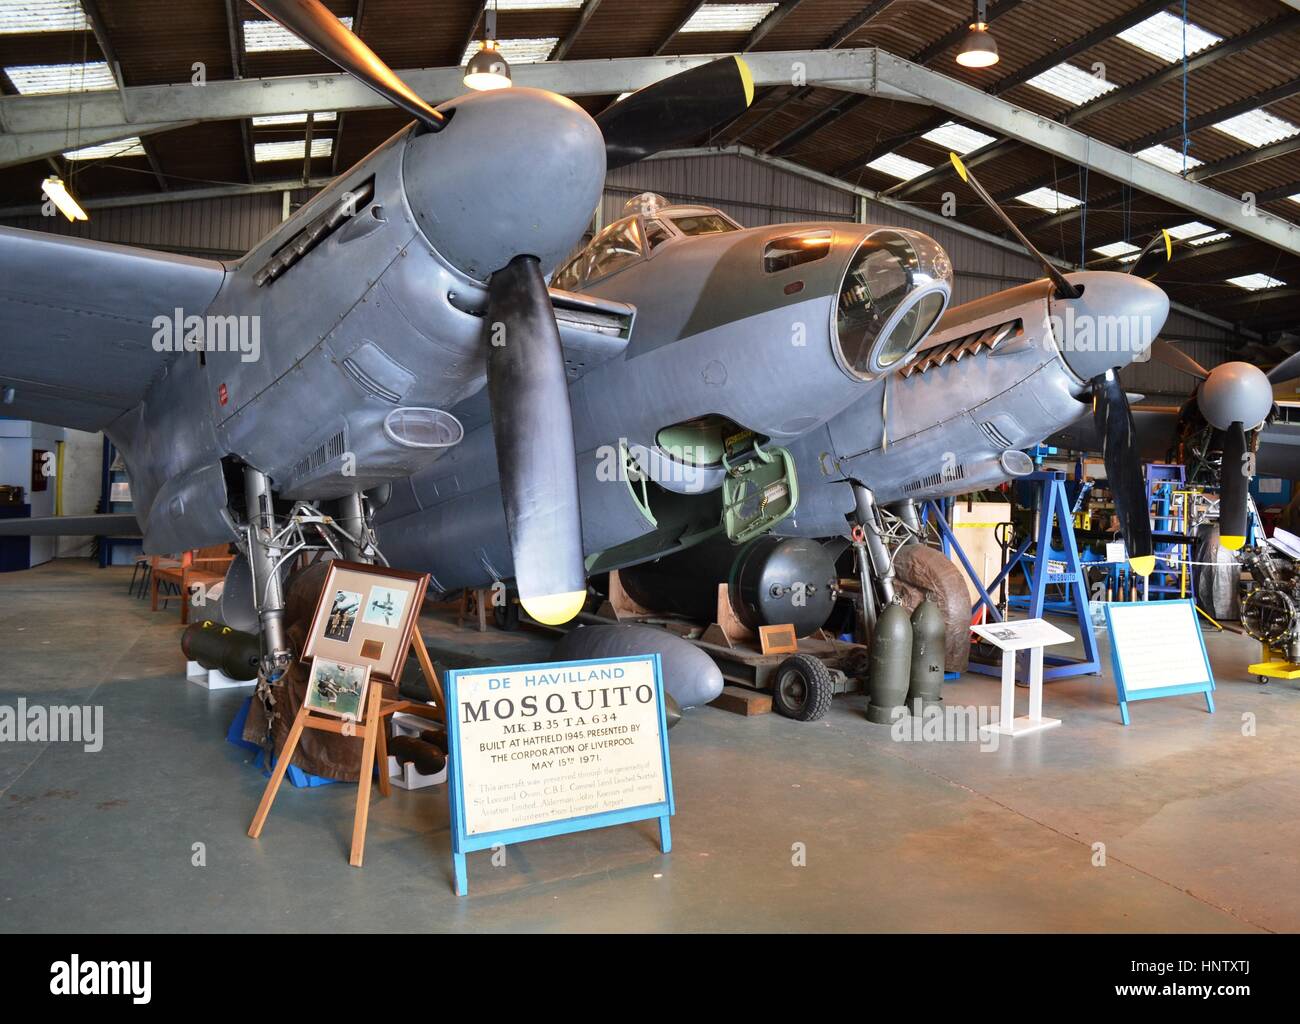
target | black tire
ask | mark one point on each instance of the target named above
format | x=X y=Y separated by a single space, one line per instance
x=506 y=616
x=802 y=688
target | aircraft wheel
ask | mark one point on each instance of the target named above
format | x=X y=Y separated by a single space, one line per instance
x=506 y=616
x=802 y=688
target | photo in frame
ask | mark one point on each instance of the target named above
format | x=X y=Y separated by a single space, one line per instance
x=365 y=616
x=337 y=688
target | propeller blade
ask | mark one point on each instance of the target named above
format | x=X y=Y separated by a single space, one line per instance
x=533 y=427
x=1064 y=289
x=1114 y=421
x=1154 y=257
x=312 y=22
x=1234 y=486
x=1177 y=359
x=1285 y=370
x=675 y=111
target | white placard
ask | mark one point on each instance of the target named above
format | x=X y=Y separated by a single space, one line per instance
x=1022 y=634
x=548 y=743
x=1158 y=643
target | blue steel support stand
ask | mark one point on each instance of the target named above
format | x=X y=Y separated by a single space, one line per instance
x=1052 y=505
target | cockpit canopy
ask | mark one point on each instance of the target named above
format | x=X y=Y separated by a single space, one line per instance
x=632 y=238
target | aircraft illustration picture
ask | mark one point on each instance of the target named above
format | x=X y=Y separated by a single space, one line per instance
x=681 y=377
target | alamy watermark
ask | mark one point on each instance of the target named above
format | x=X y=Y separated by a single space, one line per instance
x=177 y=332
x=57 y=723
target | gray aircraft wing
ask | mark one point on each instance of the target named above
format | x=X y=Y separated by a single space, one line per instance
x=76 y=323
x=106 y=524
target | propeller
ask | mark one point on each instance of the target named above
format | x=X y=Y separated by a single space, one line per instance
x=1157 y=254
x=533 y=428
x=1064 y=289
x=528 y=388
x=1234 y=486
x=1110 y=409
x=1232 y=398
x=1114 y=421
x=312 y=22
x=675 y=110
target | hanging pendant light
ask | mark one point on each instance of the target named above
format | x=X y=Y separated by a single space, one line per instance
x=487 y=69
x=979 y=49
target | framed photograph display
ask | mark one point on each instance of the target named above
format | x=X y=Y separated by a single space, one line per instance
x=366 y=616
x=336 y=688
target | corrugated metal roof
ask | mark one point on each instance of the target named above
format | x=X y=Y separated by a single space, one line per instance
x=159 y=41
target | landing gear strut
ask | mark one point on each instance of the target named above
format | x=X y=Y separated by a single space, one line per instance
x=264 y=558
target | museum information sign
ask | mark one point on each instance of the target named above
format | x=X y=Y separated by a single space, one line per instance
x=540 y=750
x=1158 y=651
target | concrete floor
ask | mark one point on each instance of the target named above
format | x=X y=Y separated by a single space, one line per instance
x=1198 y=820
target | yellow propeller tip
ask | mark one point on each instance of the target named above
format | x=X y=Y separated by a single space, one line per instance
x=746 y=79
x=956 y=162
x=1143 y=565
x=1231 y=543
x=1169 y=245
x=554 y=609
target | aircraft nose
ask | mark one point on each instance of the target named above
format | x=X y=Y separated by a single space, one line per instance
x=1113 y=322
x=515 y=172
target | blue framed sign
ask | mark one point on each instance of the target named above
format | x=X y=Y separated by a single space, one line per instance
x=1157 y=650
x=543 y=750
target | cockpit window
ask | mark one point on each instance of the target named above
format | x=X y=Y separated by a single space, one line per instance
x=656 y=234
x=569 y=277
x=794 y=250
x=896 y=288
x=615 y=248
x=702 y=224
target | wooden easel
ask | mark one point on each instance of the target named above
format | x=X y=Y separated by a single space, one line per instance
x=374 y=751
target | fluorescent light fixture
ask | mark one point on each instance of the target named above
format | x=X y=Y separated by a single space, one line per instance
x=898 y=166
x=1114 y=250
x=59 y=195
x=265 y=36
x=1257 y=128
x=1256 y=282
x=38 y=79
x=122 y=147
x=1169 y=159
x=516 y=51
x=26 y=16
x=1049 y=199
x=1074 y=85
x=263 y=152
x=271 y=120
x=1192 y=229
x=1161 y=35
x=958 y=137
x=727 y=17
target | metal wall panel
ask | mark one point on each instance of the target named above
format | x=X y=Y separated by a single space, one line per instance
x=222 y=228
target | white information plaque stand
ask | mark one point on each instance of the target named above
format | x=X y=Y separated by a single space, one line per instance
x=1030 y=635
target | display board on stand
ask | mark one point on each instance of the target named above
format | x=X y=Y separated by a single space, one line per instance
x=1010 y=638
x=362 y=633
x=543 y=750
x=1157 y=650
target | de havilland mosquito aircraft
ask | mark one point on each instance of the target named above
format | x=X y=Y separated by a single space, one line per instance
x=724 y=411
x=415 y=284
x=664 y=388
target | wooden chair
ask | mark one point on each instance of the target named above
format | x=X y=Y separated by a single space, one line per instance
x=202 y=567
